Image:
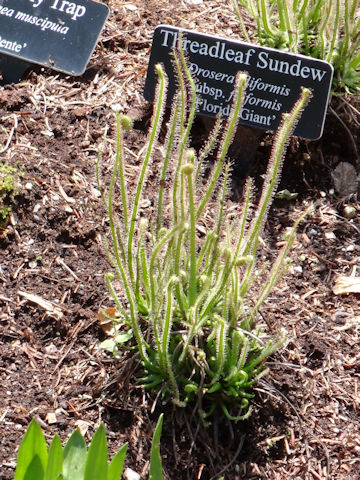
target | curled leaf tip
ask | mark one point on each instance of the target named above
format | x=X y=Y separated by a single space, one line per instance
x=242 y=78
x=126 y=122
x=190 y=155
x=187 y=169
x=159 y=69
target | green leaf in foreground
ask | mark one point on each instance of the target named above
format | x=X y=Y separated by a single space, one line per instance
x=74 y=457
x=32 y=455
x=75 y=462
x=117 y=464
x=55 y=460
x=155 y=457
x=96 y=467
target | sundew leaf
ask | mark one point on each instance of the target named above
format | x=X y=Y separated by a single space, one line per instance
x=117 y=464
x=155 y=457
x=32 y=455
x=55 y=460
x=96 y=467
x=74 y=457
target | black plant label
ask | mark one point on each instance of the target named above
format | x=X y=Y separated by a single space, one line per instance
x=59 y=34
x=275 y=79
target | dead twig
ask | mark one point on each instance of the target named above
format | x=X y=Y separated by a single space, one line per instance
x=10 y=135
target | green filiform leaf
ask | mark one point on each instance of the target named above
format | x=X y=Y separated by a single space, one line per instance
x=117 y=464
x=32 y=455
x=155 y=457
x=96 y=467
x=55 y=460
x=74 y=457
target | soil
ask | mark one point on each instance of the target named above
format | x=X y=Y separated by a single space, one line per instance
x=306 y=422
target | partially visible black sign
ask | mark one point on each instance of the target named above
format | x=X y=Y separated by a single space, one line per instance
x=274 y=83
x=59 y=34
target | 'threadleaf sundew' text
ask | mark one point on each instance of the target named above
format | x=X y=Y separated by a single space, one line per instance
x=261 y=59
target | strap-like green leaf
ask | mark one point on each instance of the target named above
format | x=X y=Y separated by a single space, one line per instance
x=155 y=457
x=32 y=455
x=117 y=464
x=74 y=457
x=55 y=460
x=96 y=467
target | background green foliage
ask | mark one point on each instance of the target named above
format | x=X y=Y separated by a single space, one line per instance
x=10 y=182
x=324 y=29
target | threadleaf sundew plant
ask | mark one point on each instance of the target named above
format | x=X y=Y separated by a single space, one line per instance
x=187 y=281
x=324 y=29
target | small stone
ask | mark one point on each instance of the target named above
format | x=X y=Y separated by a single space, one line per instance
x=116 y=107
x=349 y=212
x=131 y=475
x=28 y=186
x=79 y=112
x=51 y=348
x=345 y=179
x=146 y=203
x=330 y=236
x=350 y=248
x=95 y=192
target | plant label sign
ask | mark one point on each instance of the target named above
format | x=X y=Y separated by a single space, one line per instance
x=59 y=34
x=275 y=79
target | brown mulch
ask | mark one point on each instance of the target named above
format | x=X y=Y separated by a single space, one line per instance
x=305 y=423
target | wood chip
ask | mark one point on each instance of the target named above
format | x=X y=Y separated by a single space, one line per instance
x=51 y=418
x=82 y=426
x=345 y=179
x=345 y=285
x=51 y=309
